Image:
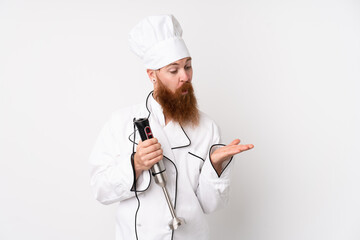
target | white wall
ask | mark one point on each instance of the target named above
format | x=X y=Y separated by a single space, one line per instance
x=283 y=75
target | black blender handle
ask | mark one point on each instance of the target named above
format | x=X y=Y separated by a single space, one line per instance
x=143 y=126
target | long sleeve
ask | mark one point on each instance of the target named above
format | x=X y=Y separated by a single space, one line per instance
x=111 y=170
x=213 y=190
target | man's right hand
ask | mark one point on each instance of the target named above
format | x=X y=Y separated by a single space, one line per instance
x=147 y=154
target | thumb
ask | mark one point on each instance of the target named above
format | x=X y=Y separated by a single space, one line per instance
x=235 y=142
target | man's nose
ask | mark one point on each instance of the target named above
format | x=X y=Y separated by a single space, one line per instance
x=184 y=77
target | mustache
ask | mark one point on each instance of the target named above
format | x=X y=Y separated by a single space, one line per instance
x=186 y=87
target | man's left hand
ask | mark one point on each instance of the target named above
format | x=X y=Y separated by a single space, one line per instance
x=222 y=154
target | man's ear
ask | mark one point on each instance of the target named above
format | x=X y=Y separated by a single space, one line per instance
x=151 y=74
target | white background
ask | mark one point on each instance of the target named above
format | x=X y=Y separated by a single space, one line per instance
x=283 y=75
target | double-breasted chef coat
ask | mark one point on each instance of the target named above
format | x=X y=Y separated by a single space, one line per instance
x=193 y=184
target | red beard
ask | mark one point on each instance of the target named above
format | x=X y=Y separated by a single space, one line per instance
x=180 y=106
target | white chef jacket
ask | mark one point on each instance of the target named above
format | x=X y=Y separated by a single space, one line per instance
x=193 y=184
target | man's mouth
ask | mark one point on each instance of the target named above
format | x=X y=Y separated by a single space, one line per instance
x=184 y=92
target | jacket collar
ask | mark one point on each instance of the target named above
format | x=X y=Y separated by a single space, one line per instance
x=177 y=139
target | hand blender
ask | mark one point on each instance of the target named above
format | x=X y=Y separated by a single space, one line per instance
x=158 y=171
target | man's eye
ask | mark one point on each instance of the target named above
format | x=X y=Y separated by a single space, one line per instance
x=173 y=71
x=187 y=67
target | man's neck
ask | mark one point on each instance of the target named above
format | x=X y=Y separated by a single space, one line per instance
x=167 y=120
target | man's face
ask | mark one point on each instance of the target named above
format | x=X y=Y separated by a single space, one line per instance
x=174 y=75
x=173 y=90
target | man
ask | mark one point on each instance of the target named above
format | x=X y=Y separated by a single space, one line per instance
x=197 y=164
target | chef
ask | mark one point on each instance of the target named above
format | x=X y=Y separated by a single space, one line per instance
x=186 y=140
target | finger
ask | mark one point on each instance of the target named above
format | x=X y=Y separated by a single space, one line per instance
x=153 y=154
x=151 y=148
x=148 y=164
x=232 y=150
x=156 y=160
x=149 y=142
x=234 y=142
x=244 y=147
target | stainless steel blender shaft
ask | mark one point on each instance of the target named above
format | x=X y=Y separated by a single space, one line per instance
x=158 y=171
x=175 y=222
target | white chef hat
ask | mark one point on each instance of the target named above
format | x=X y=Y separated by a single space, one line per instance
x=157 y=41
